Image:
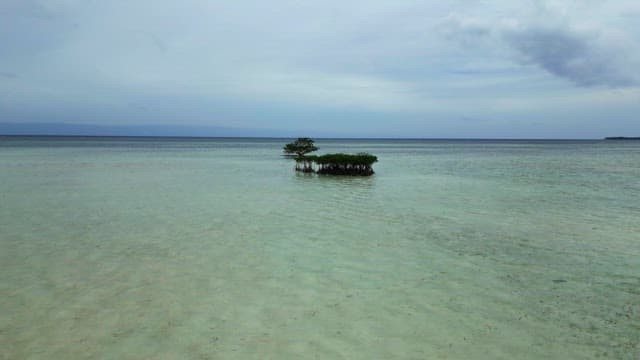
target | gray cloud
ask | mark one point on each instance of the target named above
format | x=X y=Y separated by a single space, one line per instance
x=586 y=53
x=393 y=66
x=9 y=75
x=571 y=56
x=25 y=8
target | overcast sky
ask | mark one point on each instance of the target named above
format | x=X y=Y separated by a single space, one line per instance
x=501 y=68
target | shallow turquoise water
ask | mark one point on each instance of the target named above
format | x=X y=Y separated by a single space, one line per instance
x=216 y=248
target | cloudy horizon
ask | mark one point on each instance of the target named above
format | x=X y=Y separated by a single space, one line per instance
x=491 y=69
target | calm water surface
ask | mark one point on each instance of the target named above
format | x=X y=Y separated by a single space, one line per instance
x=216 y=249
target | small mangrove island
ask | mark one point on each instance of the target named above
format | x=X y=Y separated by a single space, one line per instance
x=329 y=164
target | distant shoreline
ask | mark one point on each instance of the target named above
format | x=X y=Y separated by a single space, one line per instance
x=621 y=138
x=177 y=137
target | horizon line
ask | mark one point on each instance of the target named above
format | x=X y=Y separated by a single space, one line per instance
x=294 y=137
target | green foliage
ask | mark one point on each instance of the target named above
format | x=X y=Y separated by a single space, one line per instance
x=332 y=164
x=341 y=159
x=338 y=164
x=300 y=147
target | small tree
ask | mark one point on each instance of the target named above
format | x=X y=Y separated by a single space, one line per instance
x=300 y=147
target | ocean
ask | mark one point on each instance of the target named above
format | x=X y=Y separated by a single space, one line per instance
x=211 y=248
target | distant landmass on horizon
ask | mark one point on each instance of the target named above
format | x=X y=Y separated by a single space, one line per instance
x=162 y=130
x=65 y=129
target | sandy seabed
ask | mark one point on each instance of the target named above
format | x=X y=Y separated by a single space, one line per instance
x=219 y=250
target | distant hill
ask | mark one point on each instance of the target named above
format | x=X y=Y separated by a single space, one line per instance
x=135 y=130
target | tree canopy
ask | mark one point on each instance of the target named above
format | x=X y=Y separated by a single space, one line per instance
x=331 y=164
x=337 y=164
x=342 y=159
x=300 y=147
